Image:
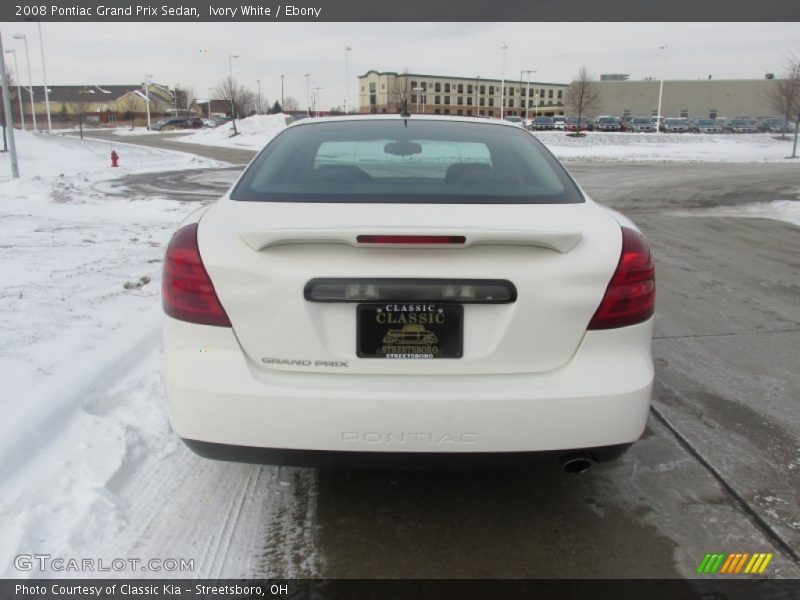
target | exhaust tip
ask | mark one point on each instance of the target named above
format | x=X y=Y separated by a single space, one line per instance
x=575 y=463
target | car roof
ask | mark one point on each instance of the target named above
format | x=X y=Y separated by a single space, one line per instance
x=311 y=121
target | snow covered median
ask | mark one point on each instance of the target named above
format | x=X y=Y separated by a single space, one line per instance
x=668 y=147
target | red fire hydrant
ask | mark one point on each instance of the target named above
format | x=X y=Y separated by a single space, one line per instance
x=114 y=158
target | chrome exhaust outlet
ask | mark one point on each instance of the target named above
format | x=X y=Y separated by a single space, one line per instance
x=576 y=463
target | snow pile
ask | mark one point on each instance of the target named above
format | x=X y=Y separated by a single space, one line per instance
x=90 y=467
x=780 y=210
x=254 y=132
x=667 y=147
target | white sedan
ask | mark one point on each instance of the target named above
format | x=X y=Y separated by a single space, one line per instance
x=391 y=289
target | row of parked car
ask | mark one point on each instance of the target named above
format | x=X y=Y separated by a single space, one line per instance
x=171 y=123
x=668 y=124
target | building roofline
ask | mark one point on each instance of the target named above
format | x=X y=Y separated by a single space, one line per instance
x=508 y=81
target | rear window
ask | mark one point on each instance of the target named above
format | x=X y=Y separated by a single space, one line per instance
x=406 y=161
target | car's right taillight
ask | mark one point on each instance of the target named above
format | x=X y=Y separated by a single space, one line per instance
x=186 y=289
x=631 y=294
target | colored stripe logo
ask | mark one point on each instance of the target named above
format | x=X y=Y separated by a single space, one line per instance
x=734 y=563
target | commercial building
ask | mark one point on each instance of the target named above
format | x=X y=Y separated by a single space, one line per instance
x=708 y=98
x=98 y=103
x=388 y=92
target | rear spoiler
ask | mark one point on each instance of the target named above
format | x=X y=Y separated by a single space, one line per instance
x=560 y=241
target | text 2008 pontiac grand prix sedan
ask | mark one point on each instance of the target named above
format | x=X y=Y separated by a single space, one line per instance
x=393 y=290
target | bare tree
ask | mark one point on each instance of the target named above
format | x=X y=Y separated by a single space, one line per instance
x=290 y=103
x=582 y=95
x=400 y=92
x=784 y=95
x=241 y=100
x=127 y=106
x=79 y=109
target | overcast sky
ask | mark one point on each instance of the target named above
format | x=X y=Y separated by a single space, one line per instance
x=196 y=54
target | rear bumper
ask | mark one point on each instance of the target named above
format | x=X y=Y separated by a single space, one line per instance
x=339 y=459
x=599 y=398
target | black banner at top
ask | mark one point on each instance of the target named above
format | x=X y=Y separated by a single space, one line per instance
x=399 y=11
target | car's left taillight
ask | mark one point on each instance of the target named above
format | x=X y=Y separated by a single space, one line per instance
x=186 y=289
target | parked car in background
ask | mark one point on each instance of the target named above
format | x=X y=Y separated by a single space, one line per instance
x=558 y=122
x=571 y=124
x=740 y=126
x=641 y=125
x=707 y=126
x=675 y=125
x=177 y=123
x=773 y=125
x=625 y=121
x=516 y=121
x=542 y=124
x=606 y=123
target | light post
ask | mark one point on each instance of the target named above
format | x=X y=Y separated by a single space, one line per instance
x=283 y=108
x=258 y=106
x=44 y=75
x=308 y=95
x=528 y=92
x=19 y=90
x=477 y=95
x=418 y=91
x=12 y=146
x=22 y=36
x=231 y=87
x=347 y=50
x=210 y=96
x=503 y=83
x=316 y=98
x=147 y=97
x=661 y=86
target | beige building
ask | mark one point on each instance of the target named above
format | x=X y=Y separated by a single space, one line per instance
x=387 y=92
x=707 y=98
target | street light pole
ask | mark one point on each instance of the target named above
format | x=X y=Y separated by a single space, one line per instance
x=418 y=91
x=503 y=83
x=316 y=98
x=283 y=108
x=258 y=107
x=528 y=92
x=44 y=74
x=308 y=95
x=477 y=95
x=231 y=89
x=19 y=90
x=12 y=146
x=210 y=96
x=661 y=86
x=24 y=37
x=347 y=50
x=147 y=97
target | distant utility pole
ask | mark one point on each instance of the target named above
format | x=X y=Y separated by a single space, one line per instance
x=12 y=147
x=504 y=47
x=282 y=93
x=347 y=50
x=661 y=86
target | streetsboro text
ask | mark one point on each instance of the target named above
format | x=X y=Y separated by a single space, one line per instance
x=137 y=10
x=161 y=590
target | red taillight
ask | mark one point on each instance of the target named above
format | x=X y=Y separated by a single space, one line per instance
x=186 y=290
x=411 y=239
x=631 y=295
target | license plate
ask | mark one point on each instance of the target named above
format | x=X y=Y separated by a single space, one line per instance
x=409 y=330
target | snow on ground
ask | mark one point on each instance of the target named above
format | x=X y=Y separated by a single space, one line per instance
x=780 y=210
x=254 y=132
x=668 y=147
x=90 y=467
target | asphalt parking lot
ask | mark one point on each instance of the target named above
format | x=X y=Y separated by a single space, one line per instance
x=717 y=468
